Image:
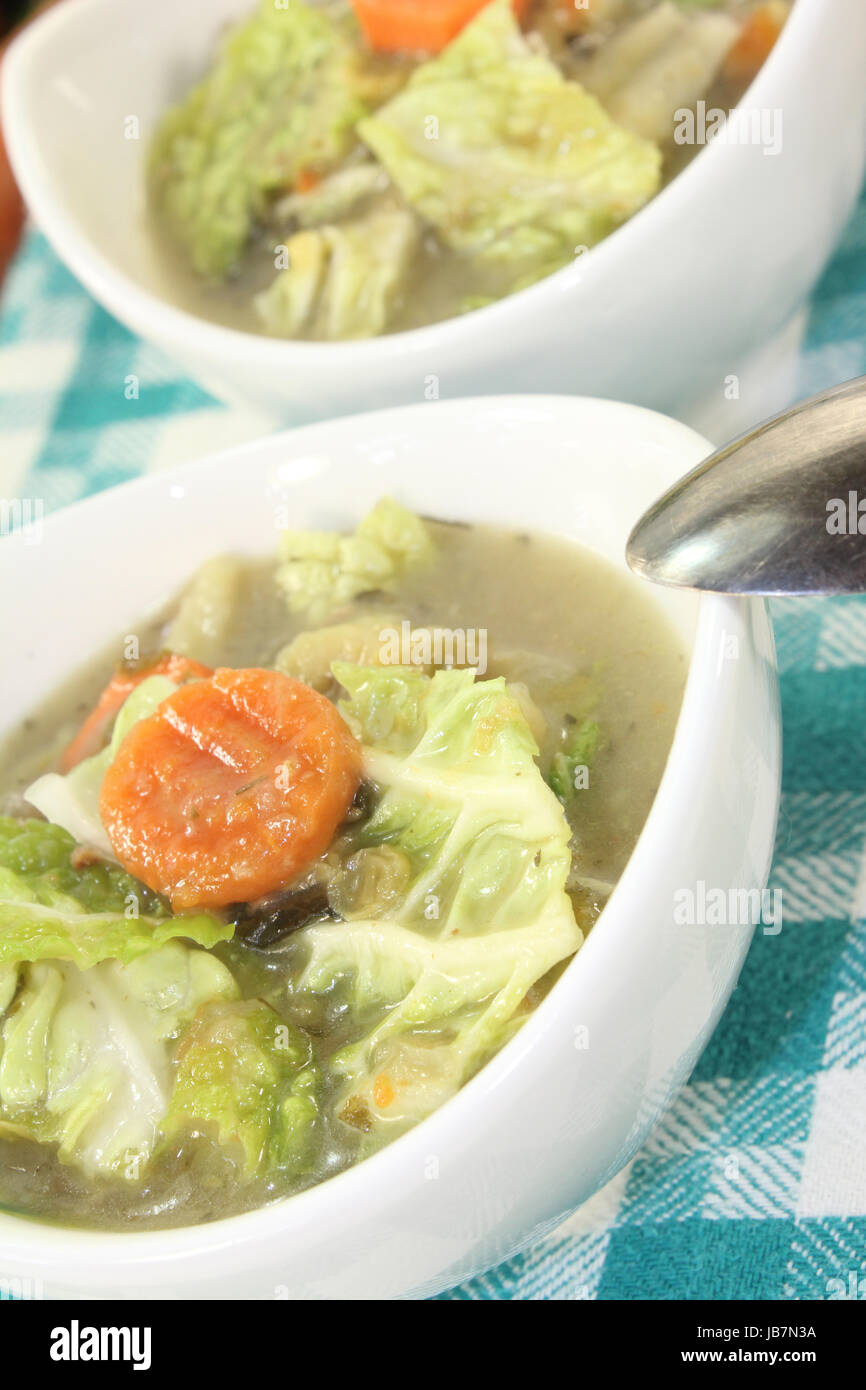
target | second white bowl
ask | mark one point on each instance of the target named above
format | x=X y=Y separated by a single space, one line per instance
x=660 y=313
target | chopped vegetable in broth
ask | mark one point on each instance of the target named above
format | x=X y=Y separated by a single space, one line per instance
x=345 y=170
x=276 y=881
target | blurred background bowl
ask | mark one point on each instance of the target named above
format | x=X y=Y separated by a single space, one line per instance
x=661 y=313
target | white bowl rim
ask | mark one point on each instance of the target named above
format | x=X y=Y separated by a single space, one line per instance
x=153 y=316
x=373 y=1179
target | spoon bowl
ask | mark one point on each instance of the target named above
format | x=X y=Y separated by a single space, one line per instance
x=781 y=510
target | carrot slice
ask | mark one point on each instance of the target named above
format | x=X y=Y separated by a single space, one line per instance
x=755 y=42
x=428 y=25
x=230 y=789
x=93 y=734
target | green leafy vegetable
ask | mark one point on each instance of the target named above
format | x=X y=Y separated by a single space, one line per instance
x=51 y=910
x=508 y=160
x=577 y=755
x=8 y=986
x=388 y=712
x=85 y=1056
x=40 y=855
x=442 y=972
x=341 y=280
x=244 y=1078
x=320 y=570
x=282 y=97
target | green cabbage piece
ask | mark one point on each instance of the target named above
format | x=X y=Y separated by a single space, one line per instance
x=341 y=280
x=320 y=570
x=86 y=1056
x=8 y=986
x=281 y=97
x=50 y=910
x=442 y=973
x=523 y=167
x=579 y=751
x=244 y=1078
x=72 y=800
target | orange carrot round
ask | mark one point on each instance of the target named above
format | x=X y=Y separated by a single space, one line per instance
x=94 y=732
x=392 y=26
x=230 y=789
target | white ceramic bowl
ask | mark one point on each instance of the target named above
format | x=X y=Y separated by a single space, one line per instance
x=545 y=1123
x=660 y=313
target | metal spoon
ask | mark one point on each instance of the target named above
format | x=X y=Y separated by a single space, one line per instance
x=782 y=510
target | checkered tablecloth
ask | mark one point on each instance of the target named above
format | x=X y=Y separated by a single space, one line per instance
x=754 y=1186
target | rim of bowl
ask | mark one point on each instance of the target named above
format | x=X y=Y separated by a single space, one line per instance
x=154 y=316
x=366 y=1183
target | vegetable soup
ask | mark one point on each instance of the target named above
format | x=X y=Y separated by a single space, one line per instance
x=282 y=870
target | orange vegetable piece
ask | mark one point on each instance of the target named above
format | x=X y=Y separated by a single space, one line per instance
x=307 y=179
x=392 y=26
x=570 y=18
x=383 y=1092
x=230 y=789
x=93 y=734
x=755 y=43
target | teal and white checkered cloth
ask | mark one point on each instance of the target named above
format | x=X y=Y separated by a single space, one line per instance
x=754 y=1186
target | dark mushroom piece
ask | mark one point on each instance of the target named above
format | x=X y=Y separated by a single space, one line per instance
x=268 y=922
